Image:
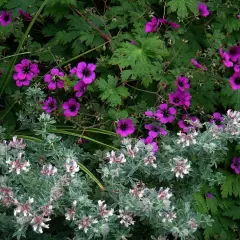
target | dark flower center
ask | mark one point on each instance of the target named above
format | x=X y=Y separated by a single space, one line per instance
x=124 y=126
x=6 y=18
x=187 y=123
x=237 y=80
x=86 y=72
x=218 y=121
x=155 y=129
x=26 y=70
x=236 y=165
x=180 y=83
x=176 y=100
x=51 y=105
x=165 y=113
x=72 y=108
x=233 y=50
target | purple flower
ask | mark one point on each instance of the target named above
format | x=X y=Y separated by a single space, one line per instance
x=85 y=72
x=235 y=81
x=49 y=105
x=165 y=114
x=80 y=88
x=218 y=119
x=152 y=26
x=226 y=58
x=198 y=65
x=150 y=141
x=5 y=18
x=186 y=123
x=203 y=10
x=174 y=25
x=133 y=42
x=209 y=195
x=236 y=165
x=54 y=79
x=182 y=83
x=149 y=114
x=234 y=53
x=238 y=16
x=237 y=68
x=186 y=99
x=125 y=127
x=155 y=130
x=163 y=21
x=25 y=15
x=71 y=107
x=25 y=72
x=176 y=98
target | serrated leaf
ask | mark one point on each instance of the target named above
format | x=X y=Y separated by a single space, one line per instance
x=233 y=213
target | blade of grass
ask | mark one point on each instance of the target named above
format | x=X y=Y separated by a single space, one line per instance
x=10 y=68
x=82 y=136
x=84 y=169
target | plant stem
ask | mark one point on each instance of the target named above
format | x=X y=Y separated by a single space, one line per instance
x=8 y=110
x=10 y=68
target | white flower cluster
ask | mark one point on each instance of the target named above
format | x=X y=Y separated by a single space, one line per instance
x=114 y=159
x=180 y=167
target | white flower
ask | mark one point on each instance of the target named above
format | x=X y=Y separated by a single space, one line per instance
x=86 y=223
x=71 y=166
x=234 y=115
x=187 y=139
x=165 y=195
x=168 y=216
x=18 y=165
x=126 y=218
x=192 y=223
x=150 y=160
x=38 y=223
x=104 y=213
x=25 y=209
x=47 y=209
x=138 y=191
x=6 y=196
x=18 y=144
x=114 y=159
x=48 y=170
x=70 y=215
x=132 y=152
x=180 y=167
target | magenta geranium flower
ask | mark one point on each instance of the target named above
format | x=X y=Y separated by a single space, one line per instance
x=163 y=20
x=174 y=25
x=186 y=123
x=218 y=119
x=237 y=68
x=234 y=53
x=54 y=79
x=5 y=18
x=226 y=58
x=235 y=81
x=149 y=114
x=80 y=88
x=150 y=141
x=198 y=65
x=49 y=105
x=125 y=127
x=85 y=72
x=165 y=114
x=203 y=9
x=176 y=98
x=133 y=42
x=25 y=72
x=25 y=15
x=182 y=83
x=236 y=165
x=154 y=130
x=186 y=98
x=71 y=107
x=209 y=195
x=152 y=26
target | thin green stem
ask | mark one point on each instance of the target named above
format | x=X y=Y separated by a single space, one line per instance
x=10 y=68
x=82 y=136
x=14 y=55
x=8 y=110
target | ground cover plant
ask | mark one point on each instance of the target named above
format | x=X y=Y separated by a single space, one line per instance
x=119 y=119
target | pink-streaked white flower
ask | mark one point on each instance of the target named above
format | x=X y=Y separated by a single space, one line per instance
x=138 y=190
x=180 y=167
x=187 y=139
x=24 y=209
x=192 y=224
x=169 y=216
x=104 y=213
x=6 y=196
x=70 y=214
x=126 y=218
x=17 y=165
x=132 y=151
x=234 y=116
x=165 y=195
x=114 y=159
x=47 y=209
x=48 y=170
x=86 y=223
x=17 y=143
x=71 y=166
x=39 y=222
x=150 y=160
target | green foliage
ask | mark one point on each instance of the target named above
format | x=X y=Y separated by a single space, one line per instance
x=110 y=92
